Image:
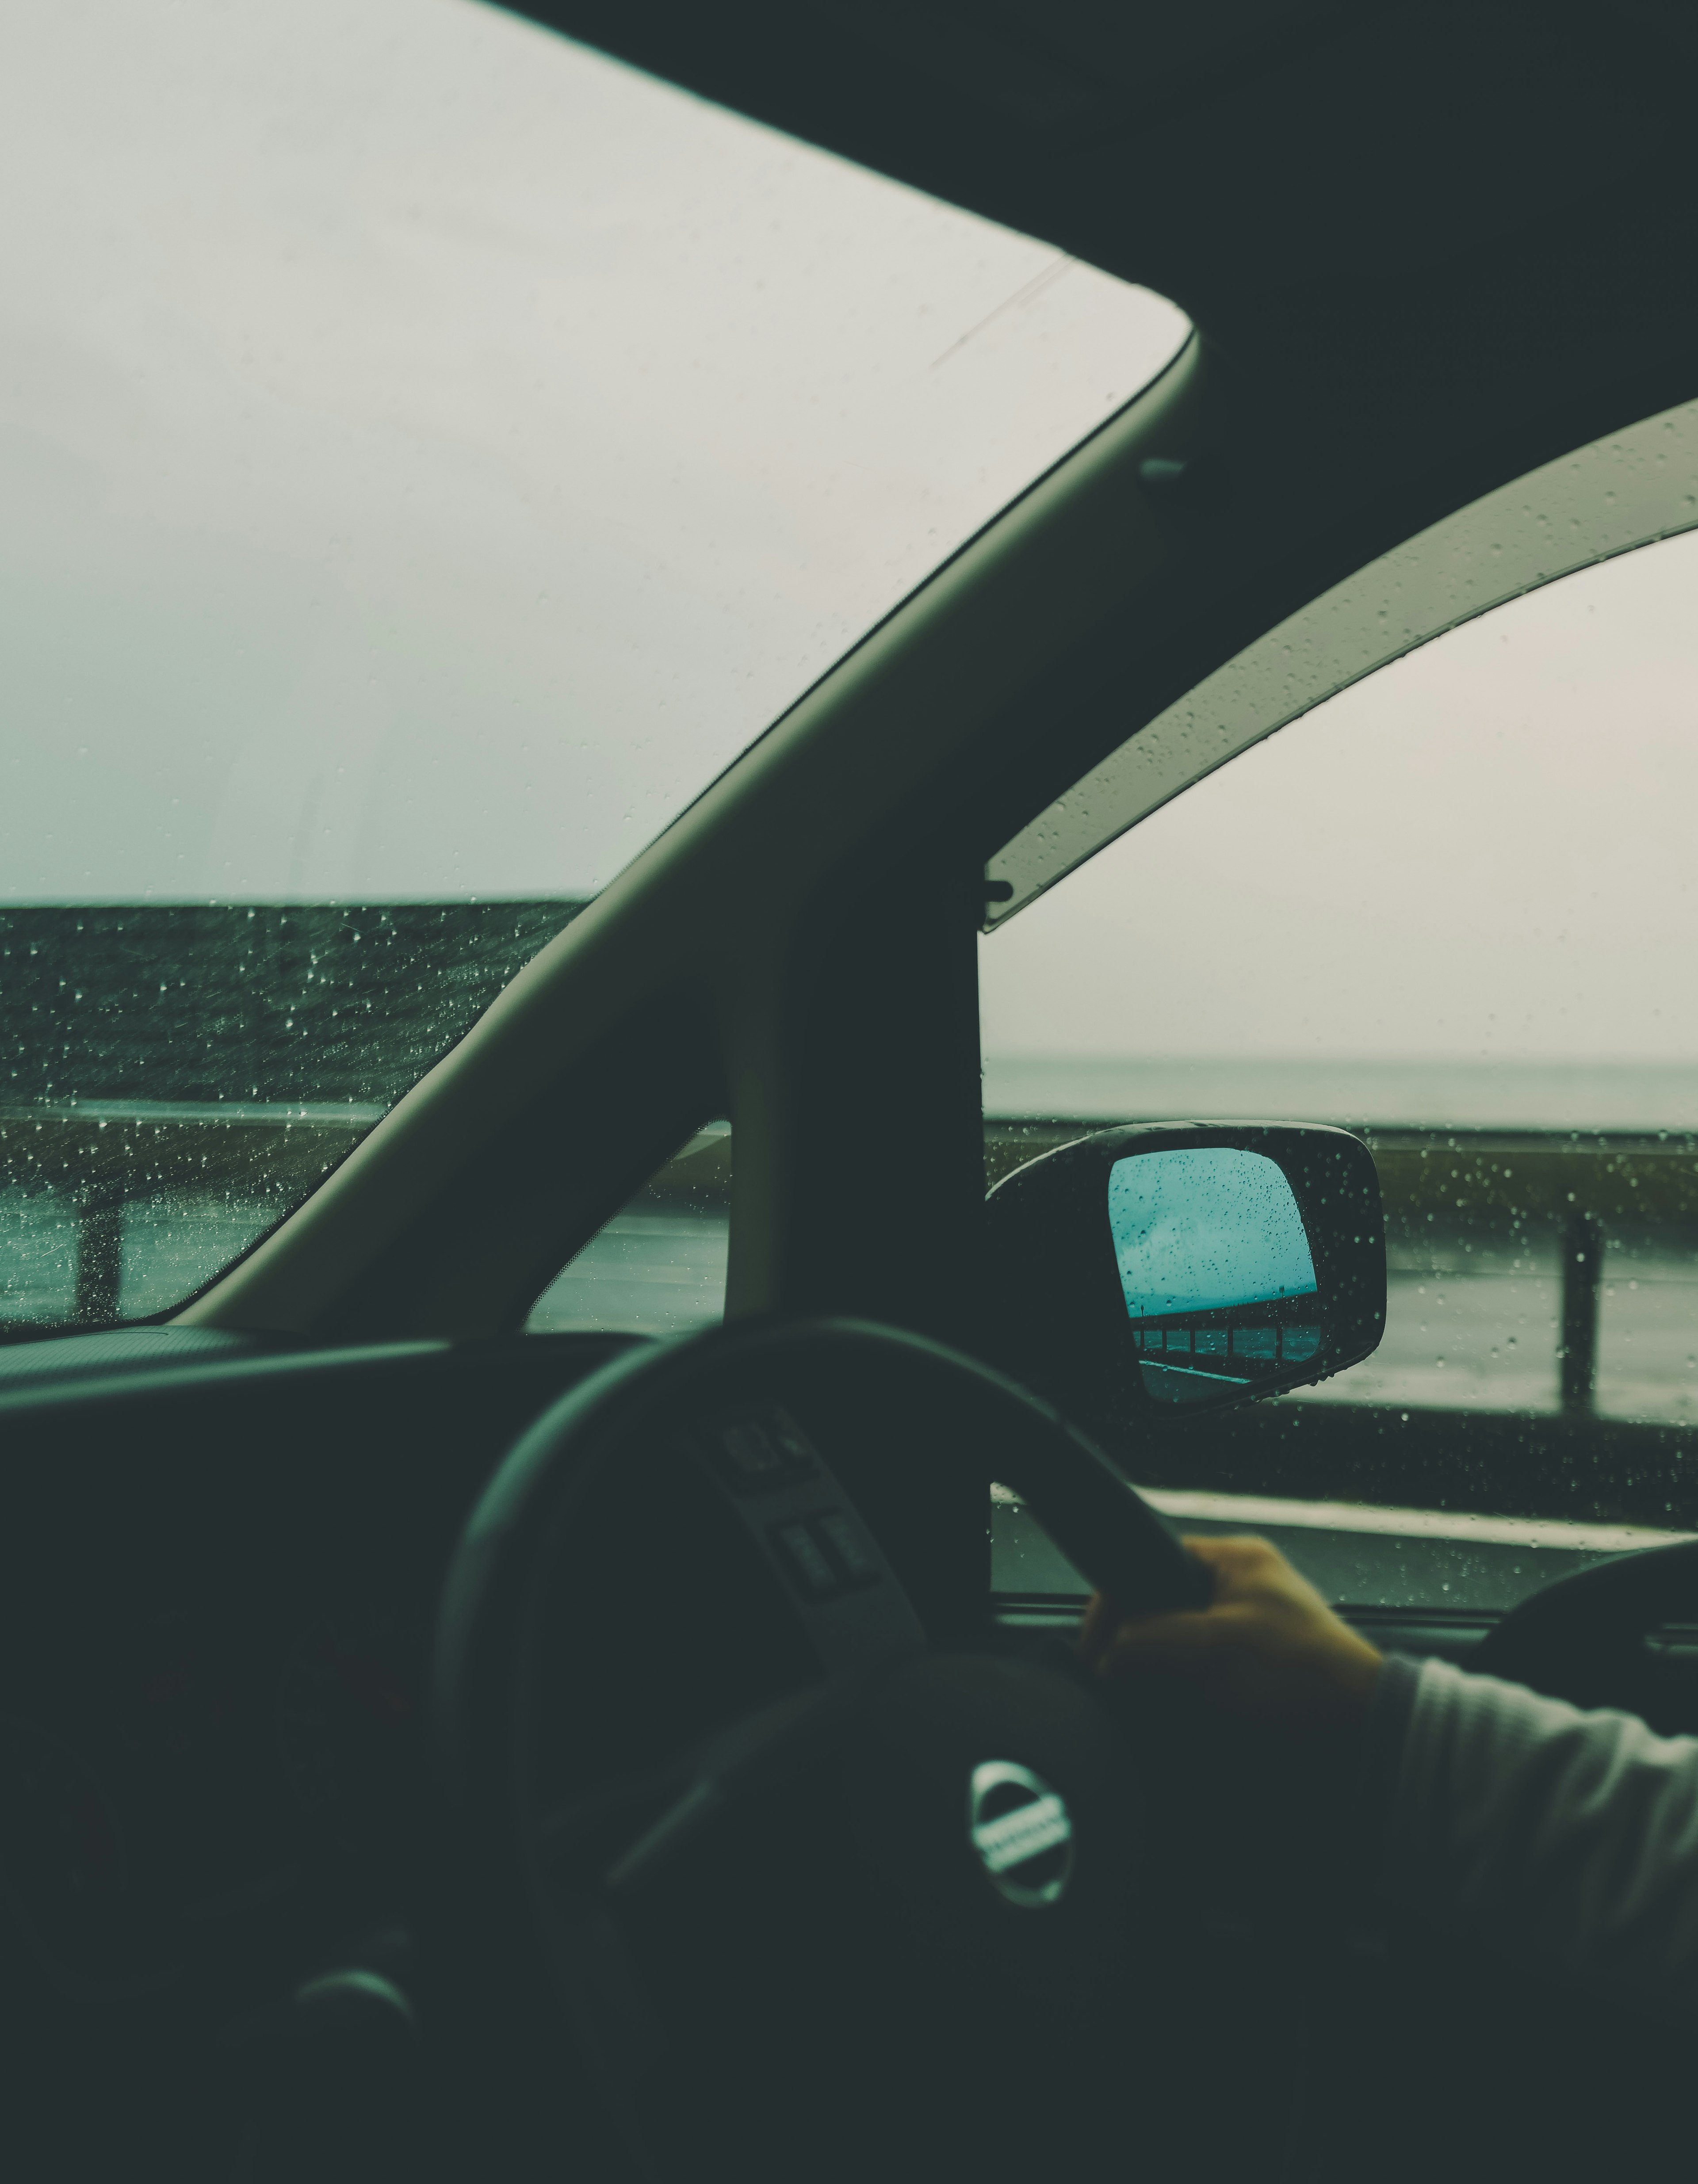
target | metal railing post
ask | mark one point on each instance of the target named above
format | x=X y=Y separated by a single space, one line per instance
x=1583 y=1269
x=99 y=1257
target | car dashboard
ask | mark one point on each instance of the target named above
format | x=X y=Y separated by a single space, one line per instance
x=218 y=1582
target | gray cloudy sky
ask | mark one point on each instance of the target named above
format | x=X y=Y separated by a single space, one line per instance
x=429 y=452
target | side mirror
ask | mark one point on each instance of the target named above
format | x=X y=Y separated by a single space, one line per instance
x=1164 y=1268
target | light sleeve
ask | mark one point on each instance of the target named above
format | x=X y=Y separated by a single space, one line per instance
x=1520 y=1828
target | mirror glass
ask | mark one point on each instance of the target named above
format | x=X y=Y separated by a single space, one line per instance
x=1216 y=1269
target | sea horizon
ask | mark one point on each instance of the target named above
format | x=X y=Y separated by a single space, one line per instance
x=1528 y=1096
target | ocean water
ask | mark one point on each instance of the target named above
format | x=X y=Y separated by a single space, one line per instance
x=1509 y=1095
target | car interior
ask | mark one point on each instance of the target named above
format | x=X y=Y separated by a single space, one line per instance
x=443 y=1740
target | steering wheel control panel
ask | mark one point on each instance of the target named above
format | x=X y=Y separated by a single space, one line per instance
x=810 y=1534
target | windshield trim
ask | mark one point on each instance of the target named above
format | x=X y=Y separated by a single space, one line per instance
x=1176 y=370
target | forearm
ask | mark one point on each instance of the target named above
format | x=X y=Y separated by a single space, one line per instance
x=1520 y=1827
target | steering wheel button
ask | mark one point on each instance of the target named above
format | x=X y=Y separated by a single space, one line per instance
x=754 y=1460
x=806 y=1559
x=849 y=1548
x=799 y=1451
x=761 y=1450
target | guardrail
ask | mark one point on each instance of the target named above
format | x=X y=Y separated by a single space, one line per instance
x=90 y=1158
x=94 y=1156
x=1479 y=1196
x=1489 y=1196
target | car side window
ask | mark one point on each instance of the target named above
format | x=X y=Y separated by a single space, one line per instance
x=658 y=1266
x=1452 y=908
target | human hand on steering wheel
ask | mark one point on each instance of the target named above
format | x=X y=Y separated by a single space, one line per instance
x=1267 y=1647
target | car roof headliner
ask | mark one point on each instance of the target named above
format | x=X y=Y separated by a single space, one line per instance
x=1480 y=198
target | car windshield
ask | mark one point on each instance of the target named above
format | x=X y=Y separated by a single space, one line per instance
x=431 y=453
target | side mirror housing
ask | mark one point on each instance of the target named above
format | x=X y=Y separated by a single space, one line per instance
x=1159 y=1269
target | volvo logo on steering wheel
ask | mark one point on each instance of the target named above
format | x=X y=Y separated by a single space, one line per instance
x=1022 y=1832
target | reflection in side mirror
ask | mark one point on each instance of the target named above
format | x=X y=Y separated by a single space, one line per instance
x=1216 y=1269
x=1161 y=1268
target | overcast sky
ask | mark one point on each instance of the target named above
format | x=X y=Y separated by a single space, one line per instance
x=429 y=452
x=1487 y=852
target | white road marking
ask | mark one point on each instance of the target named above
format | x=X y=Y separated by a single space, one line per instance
x=1257 y=1509
x=1252 y=1509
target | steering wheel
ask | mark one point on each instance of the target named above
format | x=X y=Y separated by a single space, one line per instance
x=1585 y=1638
x=760 y=1853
